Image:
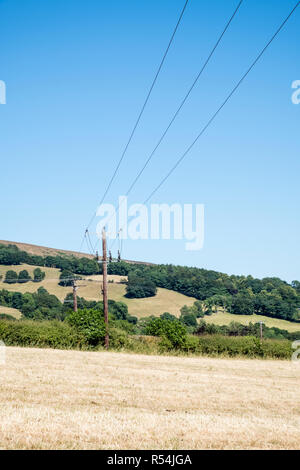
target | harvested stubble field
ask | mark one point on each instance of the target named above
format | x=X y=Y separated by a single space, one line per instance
x=52 y=399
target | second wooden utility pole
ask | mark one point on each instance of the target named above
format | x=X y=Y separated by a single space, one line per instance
x=104 y=290
x=261 y=331
x=74 y=295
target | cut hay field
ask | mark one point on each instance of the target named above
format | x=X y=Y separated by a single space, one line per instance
x=52 y=399
x=164 y=301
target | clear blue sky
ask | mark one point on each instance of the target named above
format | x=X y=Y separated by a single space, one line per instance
x=76 y=75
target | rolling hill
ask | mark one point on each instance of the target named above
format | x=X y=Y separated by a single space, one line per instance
x=164 y=301
x=90 y=288
x=43 y=250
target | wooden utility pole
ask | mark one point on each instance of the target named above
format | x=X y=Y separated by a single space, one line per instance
x=74 y=295
x=261 y=331
x=104 y=290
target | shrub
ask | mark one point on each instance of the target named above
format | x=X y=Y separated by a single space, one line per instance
x=125 y=325
x=191 y=344
x=174 y=331
x=118 y=338
x=244 y=346
x=277 y=349
x=53 y=334
x=90 y=323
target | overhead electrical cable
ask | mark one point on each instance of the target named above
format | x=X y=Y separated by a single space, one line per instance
x=182 y=103
x=141 y=111
x=219 y=109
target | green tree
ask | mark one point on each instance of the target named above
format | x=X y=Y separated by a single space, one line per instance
x=168 y=316
x=11 y=277
x=66 y=278
x=38 y=275
x=23 y=276
x=28 y=306
x=198 y=309
x=17 y=300
x=140 y=285
x=242 y=304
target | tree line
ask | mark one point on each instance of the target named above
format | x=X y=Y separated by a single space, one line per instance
x=11 y=277
x=243 y=295
x=41 y=305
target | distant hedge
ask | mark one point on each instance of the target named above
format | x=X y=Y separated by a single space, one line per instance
x=50 y=334
x=61 y=335
x=250 y=346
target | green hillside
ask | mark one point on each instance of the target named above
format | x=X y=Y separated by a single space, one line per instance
x=244 y=298
x=90 y=288
x=164 y=301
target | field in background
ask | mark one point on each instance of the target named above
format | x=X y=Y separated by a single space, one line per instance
x=164 y=301
x=53 y=399
x=10 y=311
x=224 y=318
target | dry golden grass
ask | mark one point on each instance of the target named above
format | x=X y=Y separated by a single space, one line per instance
x=53 y=399
x=10 y=311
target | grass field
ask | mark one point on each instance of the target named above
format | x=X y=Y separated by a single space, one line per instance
x=53 y=399
x=10 y=311
x=164 y=301
x=224 y=318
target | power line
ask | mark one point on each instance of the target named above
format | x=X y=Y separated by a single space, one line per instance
x=221 y=107
x=82 y=241
x=89 y=243
x=184 y=100
x=142 y=110
x=218 y=110
x=182 y=103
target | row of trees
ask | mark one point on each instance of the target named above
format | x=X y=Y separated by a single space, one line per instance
x=243 y=295
x=238 y=329
x=11 y=255
x=236 y=294
x=41 y=305
x=11 y=277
